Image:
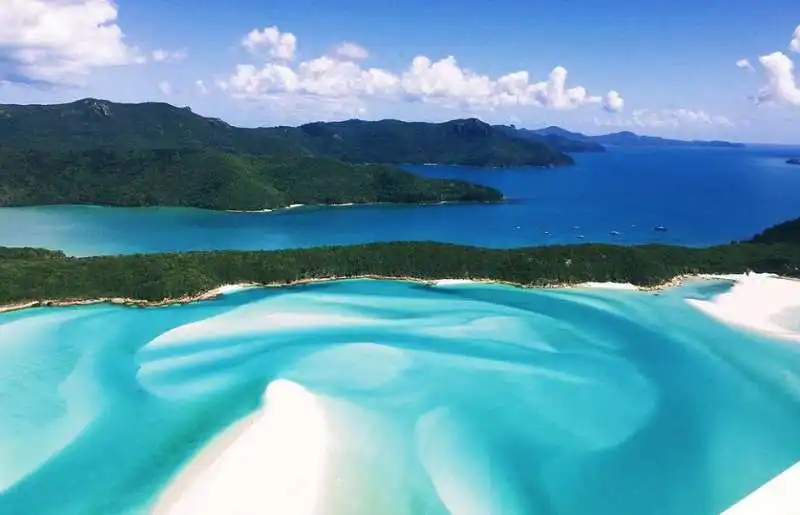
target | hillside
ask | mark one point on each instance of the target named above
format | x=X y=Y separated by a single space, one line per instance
x=99 y=124
x=211 y=179
x=560 y=142
x=786 y=232
x=464 y=142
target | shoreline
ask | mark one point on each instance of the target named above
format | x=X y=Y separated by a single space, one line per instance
x=225 y=289
x=360 y=204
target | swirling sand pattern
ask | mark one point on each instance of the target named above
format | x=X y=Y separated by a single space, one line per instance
x=463 y=399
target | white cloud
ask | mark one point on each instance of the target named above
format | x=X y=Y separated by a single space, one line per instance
x=351 y=52
x=661 y=118
x=201 y=87
x=781 y=86
x=278 y=45
x=341 y=78
x=613 y=102
x=795 y=43
x=165 y=88
x=745 y=64
x=167 y=56
x=60 y=41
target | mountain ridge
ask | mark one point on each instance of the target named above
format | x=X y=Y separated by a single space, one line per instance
x=92 y=123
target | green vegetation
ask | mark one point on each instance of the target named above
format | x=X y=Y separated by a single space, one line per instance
x=468 y=142
x=555 y=137
x=213 y=180
x=30 y=274
x=98 y=124
x=786 y=232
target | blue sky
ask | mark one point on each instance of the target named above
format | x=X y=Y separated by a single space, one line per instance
x=665 y=68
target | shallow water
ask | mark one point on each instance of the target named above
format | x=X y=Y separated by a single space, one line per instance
x=445 y=399
x=703 y=196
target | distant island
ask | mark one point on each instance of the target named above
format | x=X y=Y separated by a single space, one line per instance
x=29 y=276
x=619 y=139
x=793 y=161
x=91 y=124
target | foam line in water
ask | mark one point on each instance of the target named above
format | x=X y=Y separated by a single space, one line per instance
x=270 y=462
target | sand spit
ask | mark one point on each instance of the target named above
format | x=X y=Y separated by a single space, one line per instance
x=273 y=461
x=764 y=303
x=779 y=496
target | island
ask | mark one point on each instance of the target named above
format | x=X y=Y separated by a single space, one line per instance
x=213 y=180
x=569 y=141
x=91 y=123
x=42 y=277
x=793 y=161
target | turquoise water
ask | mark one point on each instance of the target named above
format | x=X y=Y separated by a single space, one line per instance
x=522 y=401
x=703 y=196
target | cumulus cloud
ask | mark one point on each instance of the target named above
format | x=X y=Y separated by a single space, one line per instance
x=167 y=56
x=660 y=118
x=351 y=51
x=277 y=44
x=613 y=102
x=60 y=41
x=781 y=86
x=165 y=88
x=745 y=64
x=341 y=78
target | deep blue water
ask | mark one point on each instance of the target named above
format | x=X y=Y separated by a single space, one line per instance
x=703 y=196
x=458 y=399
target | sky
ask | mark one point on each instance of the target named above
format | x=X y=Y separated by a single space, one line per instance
x=704 y=69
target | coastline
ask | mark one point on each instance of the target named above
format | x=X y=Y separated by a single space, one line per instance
x=356 y=204
x=224 y=289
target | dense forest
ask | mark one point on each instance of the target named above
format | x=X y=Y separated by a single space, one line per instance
x=213 y=180
x=32 y=274
x=786 y=232
x=98 y=124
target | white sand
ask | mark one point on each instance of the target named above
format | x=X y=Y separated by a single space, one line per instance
x=760 y=302
x=271 y=462
x=451 y=282
x=779 y=496
x=609 y=286
x=228 y=289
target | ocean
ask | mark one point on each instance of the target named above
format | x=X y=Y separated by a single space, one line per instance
x=394 y=397
x=702 y=196
x=362 y=397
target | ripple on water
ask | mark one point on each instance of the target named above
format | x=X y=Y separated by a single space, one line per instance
x=454 y=399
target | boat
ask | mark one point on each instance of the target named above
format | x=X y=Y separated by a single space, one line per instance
x=660 y=228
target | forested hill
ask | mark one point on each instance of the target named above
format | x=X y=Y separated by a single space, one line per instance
x=786 y=232
x=91 y=124
x=212 y=180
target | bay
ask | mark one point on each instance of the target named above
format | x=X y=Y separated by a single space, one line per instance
x=702 y=196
